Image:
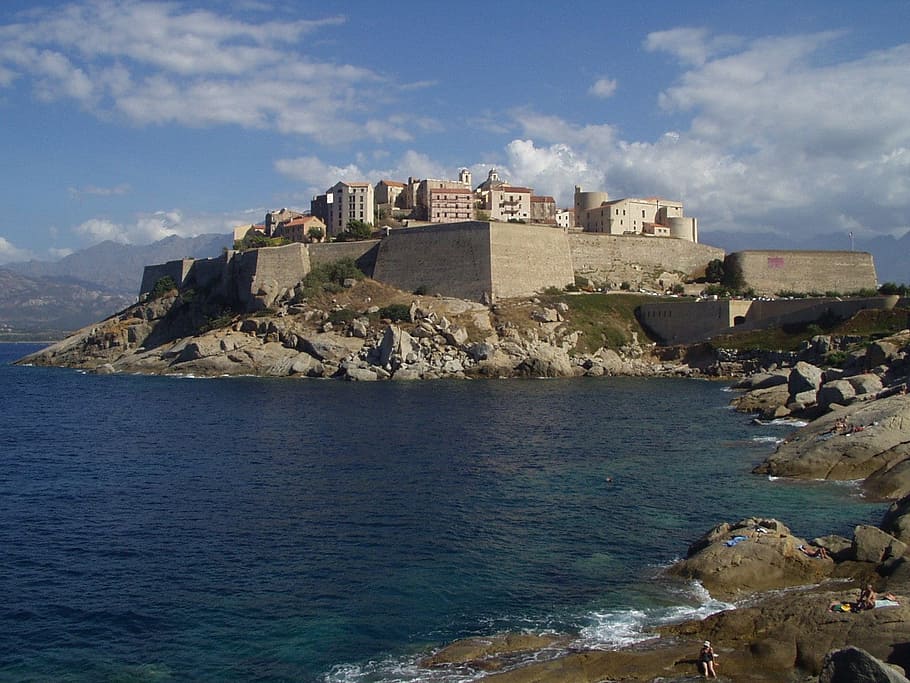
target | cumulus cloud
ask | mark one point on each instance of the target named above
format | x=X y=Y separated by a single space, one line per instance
x=156 y=62
x=776 y=140
x=603 y=88
x=150 y=227
x=10 y=253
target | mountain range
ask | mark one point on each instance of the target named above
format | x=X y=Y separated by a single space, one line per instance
x=46 y=299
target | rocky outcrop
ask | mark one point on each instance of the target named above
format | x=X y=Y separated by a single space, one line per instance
x=855 y=665
x=749 y=556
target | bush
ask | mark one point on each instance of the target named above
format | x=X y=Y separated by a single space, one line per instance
x=162 y=286
x=625 y=286
x=396 y=312
x=330 y=277
x=341 y=316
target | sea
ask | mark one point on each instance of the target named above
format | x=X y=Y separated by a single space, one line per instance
x=251 y=529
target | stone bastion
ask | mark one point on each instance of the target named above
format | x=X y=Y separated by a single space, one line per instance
x=486 y=261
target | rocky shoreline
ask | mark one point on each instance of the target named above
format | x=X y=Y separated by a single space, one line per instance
x=783 y=586
x=346 y=337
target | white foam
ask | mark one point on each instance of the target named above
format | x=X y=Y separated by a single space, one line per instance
x=767 y=439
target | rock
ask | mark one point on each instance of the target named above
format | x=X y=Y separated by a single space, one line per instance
x=546 y=361
x=817 y=452
x=871 y=544
x=854 y=665
x=839 y=391
x=766 y=401
x=803 y=378
x=867 y=383
x=481 y=351
x=456 y=335
x=764 y=557
x=897 y=519
x=360 y=329
x=354 y=373
x=889 y=483
x=395 y=344
x=763 y=380
x=324 y=349
x=880 y=353
x=305 y=364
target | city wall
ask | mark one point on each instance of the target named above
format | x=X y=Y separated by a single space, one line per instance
x=451 y=259
x=527 y=259
x=686 y=322
x=177 y=270
x=771 y=272
x=362 y=253
x=639 y=261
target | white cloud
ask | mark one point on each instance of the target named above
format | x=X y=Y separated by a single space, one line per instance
x=94 y=190
x=151 y=227
x=603 y=88
x=10 y=253
x=157 y=62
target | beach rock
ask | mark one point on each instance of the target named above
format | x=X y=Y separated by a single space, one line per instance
x=864 y=384
x=769 y=402
x=804 y=377
x=490 y=653
x=897 y=519
x=305 y=364
x=323 y=348
x=880 y=352
x=749 y=556
x=763 y=380
x=889 y=483
x=546 y=361
x=855 y=665
x=817 y=451
x=871 y=544
x=840 y=391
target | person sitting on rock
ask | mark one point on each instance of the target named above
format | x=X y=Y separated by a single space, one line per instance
x=866 y=598
x=706 y=659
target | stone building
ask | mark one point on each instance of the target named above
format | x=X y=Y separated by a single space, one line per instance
x=298 y=229
x=632 y=216
x=388 y=192
x=543 y=210
x=450 y=204
x=348 y=202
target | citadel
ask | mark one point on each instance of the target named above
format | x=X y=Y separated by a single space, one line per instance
x=499 y=241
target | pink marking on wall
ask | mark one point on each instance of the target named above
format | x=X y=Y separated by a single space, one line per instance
x=775 y=262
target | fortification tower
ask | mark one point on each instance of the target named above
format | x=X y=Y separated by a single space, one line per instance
x=585 y=201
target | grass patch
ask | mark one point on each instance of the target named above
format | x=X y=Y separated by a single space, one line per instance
x=869 y=324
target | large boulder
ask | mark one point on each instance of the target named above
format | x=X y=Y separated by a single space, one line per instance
x=871 y=544
x=889 y=483
x=545 y=360
x=804 y=377
x=897 y=519
x=855 y=665
x=769 y=402
x=752 y=555
x=878 y=437
x=763 y=380
x=840 y=391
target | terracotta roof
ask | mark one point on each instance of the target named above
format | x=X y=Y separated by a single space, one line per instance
x=515 y=190
x=542 y=198
x=393 y=183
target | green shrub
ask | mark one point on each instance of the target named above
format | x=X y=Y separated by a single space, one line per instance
x=396 y=312
x=625 y=286
x=162 y=286
x=341 y=316
x=330 y=277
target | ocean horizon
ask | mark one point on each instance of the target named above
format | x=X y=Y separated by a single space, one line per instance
x=252 y=529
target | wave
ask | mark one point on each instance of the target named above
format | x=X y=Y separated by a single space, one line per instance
x=600 y=630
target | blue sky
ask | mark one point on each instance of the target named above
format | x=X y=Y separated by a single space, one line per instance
x=134 y=120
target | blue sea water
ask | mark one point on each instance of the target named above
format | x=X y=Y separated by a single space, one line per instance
x=244 y=529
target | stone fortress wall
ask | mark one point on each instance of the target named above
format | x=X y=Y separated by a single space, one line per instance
x=452 y=259
x=770 y=272
x=640 y=261
x=486 y=261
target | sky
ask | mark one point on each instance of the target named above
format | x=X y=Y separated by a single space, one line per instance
x=131 y=121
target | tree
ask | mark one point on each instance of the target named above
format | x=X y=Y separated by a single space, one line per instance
x=315 y=233
x=358 y=230
x=714 y=272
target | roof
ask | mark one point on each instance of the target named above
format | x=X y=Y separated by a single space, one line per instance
x=542 y=198
x=392 y=183
x=515 y=190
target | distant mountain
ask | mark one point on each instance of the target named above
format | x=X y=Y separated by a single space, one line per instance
x=891 y=255
x=45 y=300
x=48 y=308
x=118 y=267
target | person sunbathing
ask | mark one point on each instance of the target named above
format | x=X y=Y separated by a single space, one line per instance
x=814 y=551
x=866 y=598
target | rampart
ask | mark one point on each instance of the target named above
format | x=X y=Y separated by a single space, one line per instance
x=452 y=259
x=526 y=259
x=639 y=261
x=362 y=253
x=686 y=322
x=261 y=275
x=772 y=272
x=176 y=270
